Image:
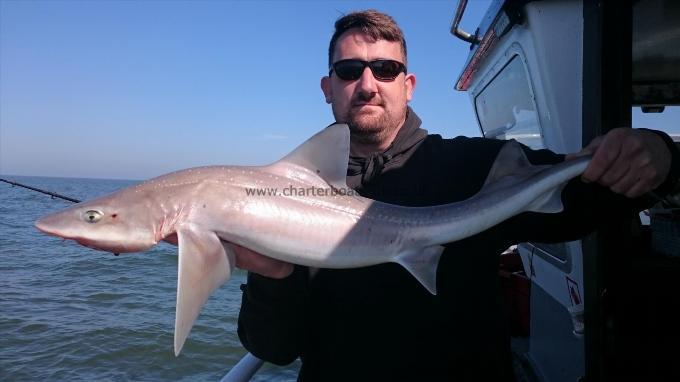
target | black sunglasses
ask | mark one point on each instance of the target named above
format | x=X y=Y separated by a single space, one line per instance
x=383 y=70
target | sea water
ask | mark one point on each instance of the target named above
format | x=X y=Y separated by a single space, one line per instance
x=72 y=313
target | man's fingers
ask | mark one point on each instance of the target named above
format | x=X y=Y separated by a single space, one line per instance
x=588 y=150
x=626 y=184
x=617 y=173
x=637 y=190
x=648 y=179
x=630 y=162
x=606 y=151
x=270 y=267
x=263 y=265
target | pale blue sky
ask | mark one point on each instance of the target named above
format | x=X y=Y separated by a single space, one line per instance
x=128 y=89
x=132 y=89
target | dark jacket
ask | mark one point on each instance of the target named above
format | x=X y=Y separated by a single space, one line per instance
x=378 y=322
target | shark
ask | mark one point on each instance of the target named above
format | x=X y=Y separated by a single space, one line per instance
x=299 y=210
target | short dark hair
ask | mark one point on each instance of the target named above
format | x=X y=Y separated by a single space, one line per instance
x=375 y=24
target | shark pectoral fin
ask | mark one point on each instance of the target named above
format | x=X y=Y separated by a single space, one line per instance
x=204 y=266
x=422 y=264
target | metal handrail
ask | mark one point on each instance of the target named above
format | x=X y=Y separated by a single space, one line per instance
x=244 y=370
x=461 y=34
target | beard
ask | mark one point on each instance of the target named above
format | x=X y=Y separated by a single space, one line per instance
x=371 y=128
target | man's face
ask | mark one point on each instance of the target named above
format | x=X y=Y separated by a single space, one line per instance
x=373 y=109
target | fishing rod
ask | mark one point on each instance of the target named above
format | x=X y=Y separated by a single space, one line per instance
x=50 y=193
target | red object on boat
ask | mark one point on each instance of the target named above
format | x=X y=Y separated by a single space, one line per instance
x=516 y=290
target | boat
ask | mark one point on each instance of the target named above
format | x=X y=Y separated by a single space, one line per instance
x=556 y=74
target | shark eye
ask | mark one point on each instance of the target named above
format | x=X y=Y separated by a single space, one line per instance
x=92 y=216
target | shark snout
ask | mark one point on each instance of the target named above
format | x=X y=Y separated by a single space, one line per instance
x=48 y=224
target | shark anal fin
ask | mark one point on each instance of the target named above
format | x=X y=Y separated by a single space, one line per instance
x=422 y=264
x=204 y=266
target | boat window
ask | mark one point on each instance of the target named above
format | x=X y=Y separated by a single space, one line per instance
x=506 y=109
x=666 y=120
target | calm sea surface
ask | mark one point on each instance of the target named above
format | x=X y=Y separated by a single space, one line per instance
x=71 y=313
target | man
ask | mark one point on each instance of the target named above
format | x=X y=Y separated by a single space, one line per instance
x=379 y=323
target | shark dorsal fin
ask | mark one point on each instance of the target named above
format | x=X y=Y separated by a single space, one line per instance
x=324 y=155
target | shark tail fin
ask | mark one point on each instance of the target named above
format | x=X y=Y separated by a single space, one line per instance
x=205 y=263
x=422 y=264
x=512 y=166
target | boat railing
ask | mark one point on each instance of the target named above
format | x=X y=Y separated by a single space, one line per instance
x=244 y=370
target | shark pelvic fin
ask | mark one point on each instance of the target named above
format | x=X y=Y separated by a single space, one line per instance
x=324 y=155
x=205 y=263
x=422 y=264
x=512 y=166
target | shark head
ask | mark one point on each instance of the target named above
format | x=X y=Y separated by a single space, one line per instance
x=173 y=207
x=117 y=223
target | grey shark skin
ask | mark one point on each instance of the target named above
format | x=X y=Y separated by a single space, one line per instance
x=201 y=209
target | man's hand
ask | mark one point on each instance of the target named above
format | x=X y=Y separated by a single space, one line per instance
x=263 y=265
x=628 y=161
